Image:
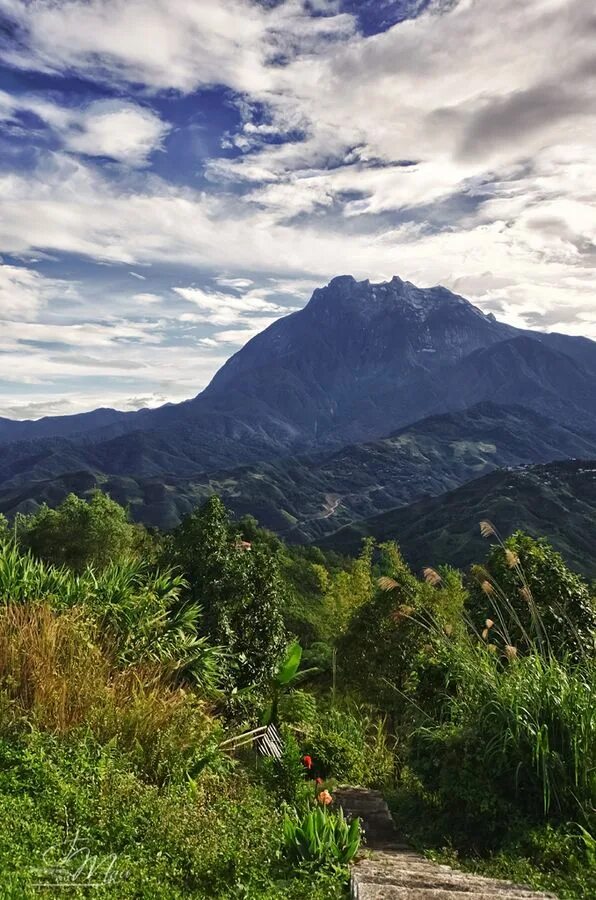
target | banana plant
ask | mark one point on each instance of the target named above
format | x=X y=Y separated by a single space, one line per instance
x=286 y=678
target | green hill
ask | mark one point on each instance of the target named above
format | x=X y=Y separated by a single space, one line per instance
x=557 y=501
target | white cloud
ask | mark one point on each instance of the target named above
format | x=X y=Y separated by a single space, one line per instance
x=238 y=284
x=59 y=405
x=118 y=129
x=240 y=336
x=163 y=44
x=147 y=299
x=214 y=301
x=122 y=131
x=23 y=292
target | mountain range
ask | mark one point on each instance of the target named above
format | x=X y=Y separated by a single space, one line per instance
x=370 y=398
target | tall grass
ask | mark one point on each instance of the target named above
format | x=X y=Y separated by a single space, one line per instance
x=56 y=676
x=535 y=720
x=519 y=719
x=138 y=610
x=109 y=653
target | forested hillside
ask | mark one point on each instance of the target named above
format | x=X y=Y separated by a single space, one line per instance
x=303 y=499
x=557 y=500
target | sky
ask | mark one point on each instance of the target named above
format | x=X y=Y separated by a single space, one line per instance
x=177 y=174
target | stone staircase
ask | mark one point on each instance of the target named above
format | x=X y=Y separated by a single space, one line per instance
x=392 y=871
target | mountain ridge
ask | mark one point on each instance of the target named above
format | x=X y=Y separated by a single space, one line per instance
x=305 y=498
x=359 y=362
x=555 y=500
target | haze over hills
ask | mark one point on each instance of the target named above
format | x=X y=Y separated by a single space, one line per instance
x=294 y=427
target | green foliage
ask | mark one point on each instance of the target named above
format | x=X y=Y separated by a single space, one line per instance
x=139 y=611
x=518 y=740
x=286 y=677
x=81 y=533
x=109 y=673
x=143 y=612
x=24 y=578
x=546 y=858
x=321 y=838
x=297 y=708
x=286 y=776
x=536 y=600
x=78 y=806
x=323 y=589
x=239 y=588
x=375 y=654
x=351 y=744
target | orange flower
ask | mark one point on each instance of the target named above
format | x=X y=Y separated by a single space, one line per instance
x=325 y=798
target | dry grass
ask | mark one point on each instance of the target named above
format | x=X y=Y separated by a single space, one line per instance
x=55 y=674
x=50 y=669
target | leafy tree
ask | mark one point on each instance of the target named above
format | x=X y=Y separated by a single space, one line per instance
x=532 y=597
x=375 y=653
x=346 y=591
x=284 y=679
x=81 y=533
x=240 y=589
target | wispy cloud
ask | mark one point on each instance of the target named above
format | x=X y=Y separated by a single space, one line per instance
x=23 y=292
x=118 y=129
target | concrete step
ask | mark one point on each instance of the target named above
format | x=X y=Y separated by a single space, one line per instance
x=394 y=872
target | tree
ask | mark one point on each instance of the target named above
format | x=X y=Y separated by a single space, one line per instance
x=239 y=588
x=375 y=653
x=81 y=533
x=380 y=652
x=345 y=591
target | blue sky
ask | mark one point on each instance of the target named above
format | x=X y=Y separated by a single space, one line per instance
x=176 y=174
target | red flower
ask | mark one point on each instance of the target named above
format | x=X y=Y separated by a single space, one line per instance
x=319 y=781
x=307 y=762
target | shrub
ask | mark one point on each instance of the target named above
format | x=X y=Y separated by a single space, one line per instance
x=297 y=708
x=81 y=533
x=55 y=675
x=221 y=839
x=138 y=611
x=286 y=776
x=519 y=740
x=351 y=744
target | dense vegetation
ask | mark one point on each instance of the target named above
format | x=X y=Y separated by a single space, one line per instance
x=133 y=664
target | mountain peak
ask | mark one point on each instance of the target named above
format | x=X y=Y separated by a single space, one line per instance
x=371 y=298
